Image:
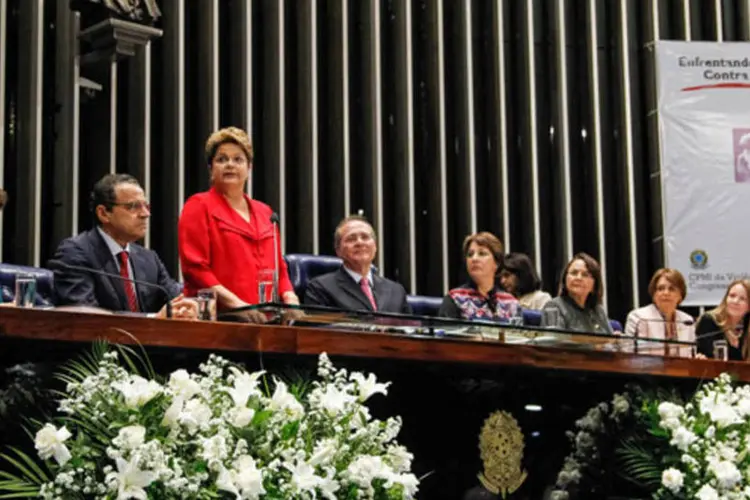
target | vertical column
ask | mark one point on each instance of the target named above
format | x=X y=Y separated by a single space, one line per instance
x=402 y=223
x=373 y=116
x=302 y=194
x=687 y=25
x=28 y=191
x=3 y=72
x=66 y=188
x=532 y=129
x=562 y=129
x=241 y=84
x=345 y=132
x=501 y=109
x=594 y=71
x=170 y=176
x=468 y=117
x=744 y=11
x=139 y=121
x=652 y=30
x=626 y=126
x=719 y=20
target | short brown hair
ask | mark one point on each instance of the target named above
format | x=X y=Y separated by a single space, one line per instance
x=225 y=135
x=674 y=276
x=597 y=294
x=346 y=220
x=3 y=198
x=487 y=240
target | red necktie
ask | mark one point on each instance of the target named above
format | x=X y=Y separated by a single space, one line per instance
x=129 y=286
x=365 y=285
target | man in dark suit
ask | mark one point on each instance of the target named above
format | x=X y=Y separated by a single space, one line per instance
x=354 y=286
x=121 y=213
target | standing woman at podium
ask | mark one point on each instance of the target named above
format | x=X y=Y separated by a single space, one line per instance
x=226 y=238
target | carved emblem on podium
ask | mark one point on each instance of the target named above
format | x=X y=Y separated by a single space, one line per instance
x=501 y=446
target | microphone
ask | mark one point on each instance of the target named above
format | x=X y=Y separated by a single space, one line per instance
x=275 y=286
x=84 y=269
x=663 y=321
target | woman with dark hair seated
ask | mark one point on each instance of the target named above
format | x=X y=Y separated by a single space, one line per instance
x=578 y=304
x=481 y=298
x=519 y=278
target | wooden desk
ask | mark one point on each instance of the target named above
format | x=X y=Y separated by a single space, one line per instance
x=82 y=327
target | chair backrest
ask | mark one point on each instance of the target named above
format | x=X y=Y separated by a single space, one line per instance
x=304 y=267
x=44 y=281
x=422 y=305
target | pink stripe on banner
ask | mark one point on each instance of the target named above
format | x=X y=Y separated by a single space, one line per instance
x=718 y=86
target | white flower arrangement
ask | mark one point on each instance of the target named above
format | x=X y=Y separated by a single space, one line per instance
x=710 y=443
x=219 y=433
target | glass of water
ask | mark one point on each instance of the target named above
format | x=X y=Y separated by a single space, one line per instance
x=206 y=300
x=721 y=350
x=515 y=314
x=25 y=290
x=265 y=286
x=551 y=318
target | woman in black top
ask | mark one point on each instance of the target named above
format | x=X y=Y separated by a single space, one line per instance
x=726 y=323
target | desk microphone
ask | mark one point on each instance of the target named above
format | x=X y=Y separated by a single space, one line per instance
x=84 y=269
x=275 y=286
x=662 y=321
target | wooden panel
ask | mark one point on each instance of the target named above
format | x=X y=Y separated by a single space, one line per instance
x=81 y=327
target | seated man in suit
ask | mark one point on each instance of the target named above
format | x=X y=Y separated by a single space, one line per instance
x=121 y=213
x=354 y=286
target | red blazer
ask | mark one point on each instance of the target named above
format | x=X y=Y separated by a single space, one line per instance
x=217 y=246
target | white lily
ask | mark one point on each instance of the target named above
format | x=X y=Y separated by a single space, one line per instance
x=334 y=401
x=173 y=412
x=49 y=443
x=368 y=386
x=138 y=391
x=283 y=401
x=182 y=385
x=245 y=386
x=131 y=480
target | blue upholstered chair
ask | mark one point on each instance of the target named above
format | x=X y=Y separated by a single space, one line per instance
x=304 y=267
x=44 y=281
x=422 y=305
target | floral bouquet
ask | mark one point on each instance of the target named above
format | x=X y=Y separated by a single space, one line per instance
x=219 y=433
x=709 y=440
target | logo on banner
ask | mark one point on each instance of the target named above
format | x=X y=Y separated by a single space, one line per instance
x=698 y=259
x=741 y=154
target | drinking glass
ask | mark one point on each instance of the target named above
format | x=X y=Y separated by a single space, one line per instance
x=515 y=314
x=721 y=350
x=206 y=300
x=265 y=286
x=551 y=318
x=25 y=290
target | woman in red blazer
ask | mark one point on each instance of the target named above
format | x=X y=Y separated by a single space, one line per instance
x=225 y=237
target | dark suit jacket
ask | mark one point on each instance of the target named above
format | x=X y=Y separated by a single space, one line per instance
x=88 y=249
x=339 y=290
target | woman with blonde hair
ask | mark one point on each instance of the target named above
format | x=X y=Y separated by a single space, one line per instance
x=226 y=238
x=726 y=322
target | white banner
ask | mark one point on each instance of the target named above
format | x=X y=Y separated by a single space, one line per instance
x=704 y=134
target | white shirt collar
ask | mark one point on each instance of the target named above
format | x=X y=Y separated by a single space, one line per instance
x=358 y=277
x=113 y=246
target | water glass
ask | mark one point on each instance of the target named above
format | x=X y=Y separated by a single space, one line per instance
x=265 y=286
x=721 y=350
x=25 y=290
x=206 y=300
x=551 y=318
x=515 y=314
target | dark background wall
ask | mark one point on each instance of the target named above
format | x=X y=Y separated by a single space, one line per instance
x=528 y=118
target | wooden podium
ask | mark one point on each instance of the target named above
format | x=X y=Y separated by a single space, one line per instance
x=443 y=388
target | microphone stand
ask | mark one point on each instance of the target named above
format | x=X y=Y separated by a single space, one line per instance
x=84 y=269
x=275 y=286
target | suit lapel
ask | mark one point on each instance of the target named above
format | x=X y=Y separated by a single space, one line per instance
x=353 y=289
x=106 y=262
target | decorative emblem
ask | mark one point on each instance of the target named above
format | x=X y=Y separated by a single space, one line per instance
x=698 y=259
x=501 y=446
